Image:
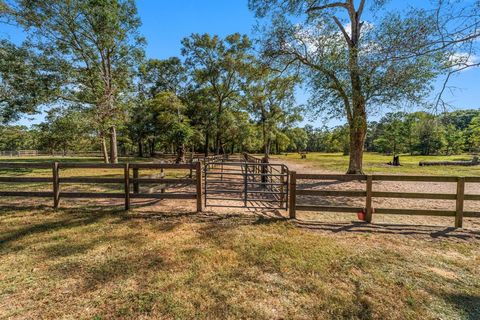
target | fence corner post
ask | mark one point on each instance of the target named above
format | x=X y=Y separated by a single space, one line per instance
x=127 y=186
x=56 y=185
x=368 y=204
x=293 y=195
x=198 y=173
x=460 y=202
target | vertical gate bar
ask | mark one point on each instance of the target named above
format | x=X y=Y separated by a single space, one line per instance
x=198 y=171
x=126 y=174
x=368 y=203
x=460 y=202
x=56 y=185
x=246 y=184
x=205 y=183
x=293 y=195
x=288 y=188
x=282 y=181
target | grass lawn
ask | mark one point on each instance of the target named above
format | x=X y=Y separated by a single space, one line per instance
x=377 y=163
x=97 y=263
x=85 y=261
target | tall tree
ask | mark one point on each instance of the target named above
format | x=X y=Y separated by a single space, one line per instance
x=269 y=98
x=24 y=82
x=352 y=65
x=217 y=64
x=93 y=45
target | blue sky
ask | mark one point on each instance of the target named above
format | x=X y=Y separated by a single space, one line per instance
x=166 y=22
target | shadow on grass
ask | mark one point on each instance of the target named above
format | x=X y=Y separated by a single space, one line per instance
x=468 y=304
x=397 y=229
x=68 y=218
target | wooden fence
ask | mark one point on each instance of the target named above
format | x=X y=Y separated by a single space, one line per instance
x=459 y=196
x=56 y=180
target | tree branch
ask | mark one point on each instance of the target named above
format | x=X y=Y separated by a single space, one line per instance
x=342 y=29
x=330 y=5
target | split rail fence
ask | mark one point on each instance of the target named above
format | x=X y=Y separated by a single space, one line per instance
x=460 y=197
x=127 y=181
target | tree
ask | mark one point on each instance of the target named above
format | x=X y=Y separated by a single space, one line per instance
x=170 y=121
x=161 y=76
x=154 y=77
x=13 y=138
x=24 y=84
x=427 y=134
x=64 y=130
x=298 y=139
x=269 y=98
x=201 y=110
x=217 y=65
x=474 y=134
x=391 y=135
x=93 y=46
x=351 y=65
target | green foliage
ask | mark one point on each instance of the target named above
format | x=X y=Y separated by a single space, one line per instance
x=13 y=138
x=65 y=130
x=24 y=84
x=473 y=131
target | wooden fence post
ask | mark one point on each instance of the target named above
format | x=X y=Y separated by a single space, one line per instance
x=136 y=186
x=127 y=186
x=56 y=185
x=459 y=206
x=198 y=172
x=293 y=194
x=191 y=162
x=282 y=187
x=162 y=175
x=368 y=206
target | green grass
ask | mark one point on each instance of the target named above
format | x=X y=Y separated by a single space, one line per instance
x=76 y=172
x=377 y=163
x=95 y=263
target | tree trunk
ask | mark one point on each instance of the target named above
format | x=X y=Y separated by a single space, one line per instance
x=206 y=143
x=104 y=148
x=140 y=149
x=113 y=145
x=152 y=147
x=357 y=141
x=180 y=154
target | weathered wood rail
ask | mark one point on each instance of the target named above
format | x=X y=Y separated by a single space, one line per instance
x=127 y=181
x=460 y=197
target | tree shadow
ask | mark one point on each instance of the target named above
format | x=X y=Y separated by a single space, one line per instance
x=435 y=232
x=468 y=304
x=70 y=218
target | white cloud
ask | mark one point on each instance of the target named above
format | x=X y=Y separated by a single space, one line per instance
x=460 y=60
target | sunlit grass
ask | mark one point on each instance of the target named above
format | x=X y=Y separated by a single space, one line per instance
x=377 y=163
x=96 y=263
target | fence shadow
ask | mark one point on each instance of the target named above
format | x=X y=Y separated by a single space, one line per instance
x=435 y=232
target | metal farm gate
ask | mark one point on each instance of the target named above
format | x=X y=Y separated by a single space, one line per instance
x=243 y=184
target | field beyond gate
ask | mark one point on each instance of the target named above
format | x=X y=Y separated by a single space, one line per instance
x=246 y=184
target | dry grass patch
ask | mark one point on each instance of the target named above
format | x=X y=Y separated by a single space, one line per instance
x=95 y=263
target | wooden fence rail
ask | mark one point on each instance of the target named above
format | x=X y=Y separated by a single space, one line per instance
x=459 y=196
x=56 y=180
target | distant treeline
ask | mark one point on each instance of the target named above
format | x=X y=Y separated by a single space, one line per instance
x=414 y=133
